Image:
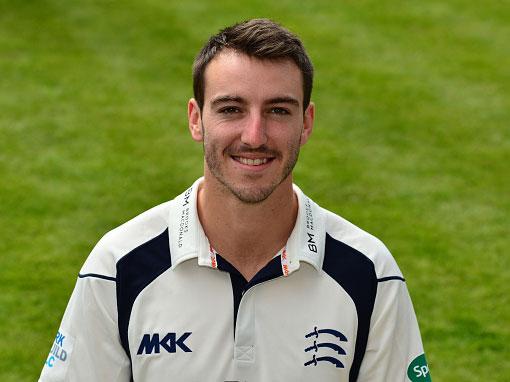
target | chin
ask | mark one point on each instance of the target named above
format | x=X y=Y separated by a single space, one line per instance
x=252 y=196
x=253 y=193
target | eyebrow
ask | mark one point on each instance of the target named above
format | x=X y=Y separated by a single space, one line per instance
x=237 y=99
x=288 y=100
x=226 y=99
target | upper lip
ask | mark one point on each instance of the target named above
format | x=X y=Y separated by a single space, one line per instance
x=252 y=156
x=259 y=153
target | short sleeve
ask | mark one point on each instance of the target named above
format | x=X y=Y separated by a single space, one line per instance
x=394 y=350
x=87 y=345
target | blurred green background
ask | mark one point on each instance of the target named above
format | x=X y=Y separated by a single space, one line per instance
x=411 y=143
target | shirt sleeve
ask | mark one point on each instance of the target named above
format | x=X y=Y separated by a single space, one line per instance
x=87 y=345
x=394 y=350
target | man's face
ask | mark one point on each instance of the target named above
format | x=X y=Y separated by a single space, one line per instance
x=252 y=123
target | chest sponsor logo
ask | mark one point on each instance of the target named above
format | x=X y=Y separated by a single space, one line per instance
x=326 y=348
x=153 y=343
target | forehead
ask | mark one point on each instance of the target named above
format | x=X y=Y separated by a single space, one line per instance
x=234 y=73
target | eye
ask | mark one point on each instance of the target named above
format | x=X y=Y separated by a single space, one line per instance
x=279 y=111
x=230 y=110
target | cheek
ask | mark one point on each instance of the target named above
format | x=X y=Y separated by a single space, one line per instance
x=289 y=136
x=214 y=145
x=220 y=137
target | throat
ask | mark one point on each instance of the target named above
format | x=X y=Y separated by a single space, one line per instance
x=248 y=264
x=247 y=236
x=249 y=247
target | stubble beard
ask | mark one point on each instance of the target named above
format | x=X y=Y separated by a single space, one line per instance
x=248 y=194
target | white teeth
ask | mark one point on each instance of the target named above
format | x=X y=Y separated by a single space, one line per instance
x=252 y=162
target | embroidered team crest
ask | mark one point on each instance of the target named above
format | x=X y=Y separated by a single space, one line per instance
x=327 y=348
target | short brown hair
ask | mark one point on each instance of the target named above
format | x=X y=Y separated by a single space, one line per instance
x=260 y=38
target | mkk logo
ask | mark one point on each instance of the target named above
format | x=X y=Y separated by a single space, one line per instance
x=151 y=343
x=337 y=349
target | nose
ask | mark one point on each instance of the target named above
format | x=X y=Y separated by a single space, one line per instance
x=254 y=131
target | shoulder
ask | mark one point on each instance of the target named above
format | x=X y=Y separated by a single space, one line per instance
x=124 y=239
x=362 y=247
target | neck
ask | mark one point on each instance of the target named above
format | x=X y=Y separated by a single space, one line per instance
x=247 y=235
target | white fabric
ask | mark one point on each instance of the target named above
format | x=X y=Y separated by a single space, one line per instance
x=273 y=319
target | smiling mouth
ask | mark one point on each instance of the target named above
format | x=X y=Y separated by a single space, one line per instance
x=252 y=162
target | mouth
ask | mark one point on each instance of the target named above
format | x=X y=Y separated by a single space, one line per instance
x=252 y=161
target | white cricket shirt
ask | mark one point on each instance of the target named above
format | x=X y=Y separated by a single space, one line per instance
x=153 y=302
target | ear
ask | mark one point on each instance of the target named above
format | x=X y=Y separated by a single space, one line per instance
x=308 y=118
x=195 y=121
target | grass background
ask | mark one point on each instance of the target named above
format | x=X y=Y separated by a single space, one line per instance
x=411 y=143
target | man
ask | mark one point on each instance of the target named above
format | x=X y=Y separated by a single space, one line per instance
x=242 y=277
